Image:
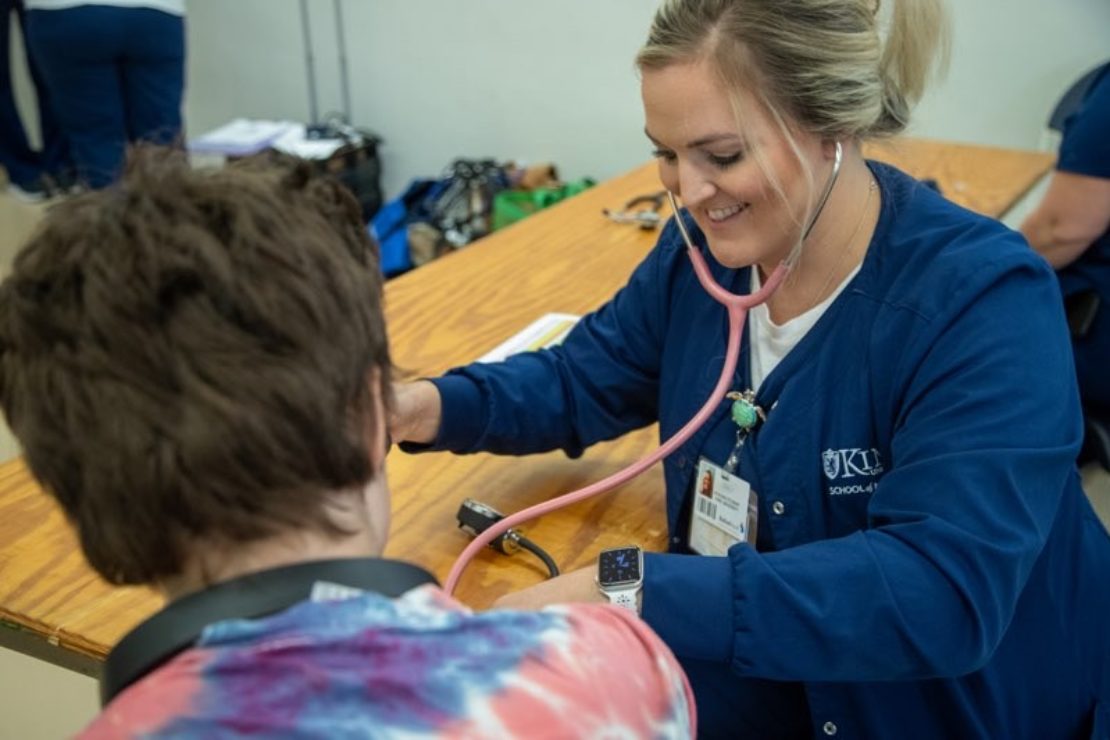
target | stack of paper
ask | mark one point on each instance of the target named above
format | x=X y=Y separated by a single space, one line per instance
x=241 y=137
x=295 y=142
x=546 y=331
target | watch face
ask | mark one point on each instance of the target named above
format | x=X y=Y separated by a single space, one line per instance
x=619 y=566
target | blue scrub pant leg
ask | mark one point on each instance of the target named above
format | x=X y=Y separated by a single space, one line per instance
x=115 y=75
x=16 y=155
x=54 y=157
x=154 y=79
x=25 y=165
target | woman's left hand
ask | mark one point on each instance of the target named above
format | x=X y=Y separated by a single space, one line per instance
x=578 y=586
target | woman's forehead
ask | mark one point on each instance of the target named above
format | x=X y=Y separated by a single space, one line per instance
x=687 y=105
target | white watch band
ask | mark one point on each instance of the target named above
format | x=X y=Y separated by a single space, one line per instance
x=628 y=598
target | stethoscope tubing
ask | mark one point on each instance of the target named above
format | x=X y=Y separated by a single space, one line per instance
x=737 y=307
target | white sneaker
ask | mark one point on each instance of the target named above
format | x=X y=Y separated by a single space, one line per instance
x=34 y=193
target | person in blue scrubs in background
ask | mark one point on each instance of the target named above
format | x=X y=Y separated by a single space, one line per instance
x=32 y=175
x=926 y=563
x=115 y=73
x=1071 y=228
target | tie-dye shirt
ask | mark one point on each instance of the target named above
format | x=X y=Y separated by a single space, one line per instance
x=422 y=665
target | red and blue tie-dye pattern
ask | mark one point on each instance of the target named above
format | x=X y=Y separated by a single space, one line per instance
x=418 y=666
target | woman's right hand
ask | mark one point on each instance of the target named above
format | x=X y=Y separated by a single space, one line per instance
x=417 y=411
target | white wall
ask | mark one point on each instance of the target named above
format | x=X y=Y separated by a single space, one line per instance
x=1011 y=61
x=531 y=80
x=553 y=79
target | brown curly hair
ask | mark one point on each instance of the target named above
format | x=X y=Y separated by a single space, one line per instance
x=186 y=355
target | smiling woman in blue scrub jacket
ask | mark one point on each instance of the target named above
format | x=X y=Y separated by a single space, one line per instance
x=926 y=563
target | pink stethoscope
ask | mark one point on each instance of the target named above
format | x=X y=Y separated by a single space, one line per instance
x=737 y=306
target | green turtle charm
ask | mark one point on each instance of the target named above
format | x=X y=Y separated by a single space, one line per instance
x=745 y=413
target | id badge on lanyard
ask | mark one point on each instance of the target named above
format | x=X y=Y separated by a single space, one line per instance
x=725 y=508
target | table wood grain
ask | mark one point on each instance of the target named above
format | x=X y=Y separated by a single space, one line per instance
x=568 y=258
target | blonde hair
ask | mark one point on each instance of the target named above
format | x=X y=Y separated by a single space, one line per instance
x=820 y=63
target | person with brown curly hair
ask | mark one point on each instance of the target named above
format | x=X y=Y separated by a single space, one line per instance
x=197 y=368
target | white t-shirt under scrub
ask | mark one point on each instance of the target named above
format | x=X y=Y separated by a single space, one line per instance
x=770 y=342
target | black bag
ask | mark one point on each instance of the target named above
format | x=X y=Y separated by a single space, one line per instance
x=355 y=164
x=462 y=210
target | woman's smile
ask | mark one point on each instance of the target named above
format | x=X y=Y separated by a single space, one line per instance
x=726 y=215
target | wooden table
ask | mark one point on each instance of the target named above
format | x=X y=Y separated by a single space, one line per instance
x=988 y=180
x=567 y=258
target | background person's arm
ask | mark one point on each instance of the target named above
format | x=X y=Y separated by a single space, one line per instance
x=1074 y=213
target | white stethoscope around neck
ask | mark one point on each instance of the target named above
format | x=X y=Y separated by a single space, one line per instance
x=737 y=307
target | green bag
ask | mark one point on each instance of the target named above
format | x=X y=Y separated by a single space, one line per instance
x=510 y=206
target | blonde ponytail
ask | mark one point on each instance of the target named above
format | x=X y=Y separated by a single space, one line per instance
x=917 y=45
x=820 y=63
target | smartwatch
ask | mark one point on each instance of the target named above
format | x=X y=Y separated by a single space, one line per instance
x=620 y=576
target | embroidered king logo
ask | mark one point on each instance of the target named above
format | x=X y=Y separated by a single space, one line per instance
x=854 y=462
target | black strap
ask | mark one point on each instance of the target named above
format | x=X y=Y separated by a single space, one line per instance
x=178 y=626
